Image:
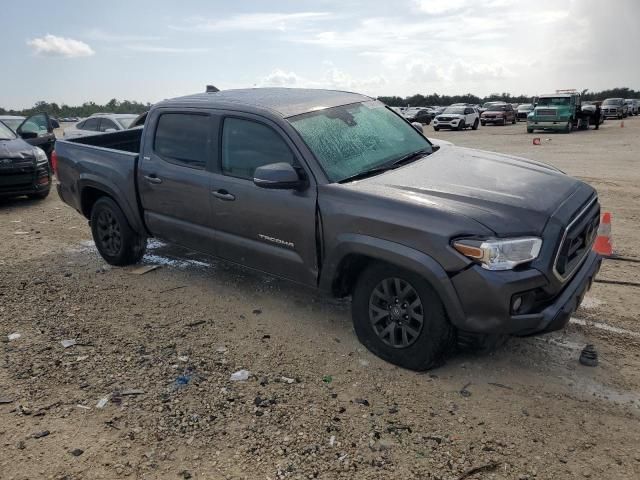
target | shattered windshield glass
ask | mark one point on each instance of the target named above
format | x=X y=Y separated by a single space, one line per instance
x=351 y=139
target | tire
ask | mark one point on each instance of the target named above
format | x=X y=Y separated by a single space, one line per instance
x=39 y=195
x=475 y=124
x=504 y=121
x=483 y=123
x=116 y=241
x=513 y=122
x=462 y=125
x=437 y=129
x=529 y=130
x=569 y=127
x=388 y=338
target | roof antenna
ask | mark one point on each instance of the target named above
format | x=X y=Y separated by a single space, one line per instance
x=212 y=89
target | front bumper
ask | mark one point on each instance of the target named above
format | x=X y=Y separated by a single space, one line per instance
x=548 y=125
x=486 y=299
x=449 y=124
x=33 y=181
x=493 y=119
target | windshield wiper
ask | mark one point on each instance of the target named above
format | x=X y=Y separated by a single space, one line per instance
x=388 y=166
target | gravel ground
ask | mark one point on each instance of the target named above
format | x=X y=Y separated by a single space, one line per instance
x=146 y=391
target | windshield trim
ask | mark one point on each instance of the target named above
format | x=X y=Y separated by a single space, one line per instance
x=9 y=130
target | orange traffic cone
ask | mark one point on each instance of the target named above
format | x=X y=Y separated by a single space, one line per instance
x=603 y=244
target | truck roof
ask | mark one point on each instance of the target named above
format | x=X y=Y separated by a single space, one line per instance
x=287 y=102
x=559 y=95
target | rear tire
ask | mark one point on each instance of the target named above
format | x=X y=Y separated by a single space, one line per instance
x=399 y=317
x=116 y=241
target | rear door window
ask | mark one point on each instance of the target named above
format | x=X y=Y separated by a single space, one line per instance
x=107 y=124
x=183 y=138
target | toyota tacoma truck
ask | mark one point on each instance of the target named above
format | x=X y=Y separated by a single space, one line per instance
x=334 y=190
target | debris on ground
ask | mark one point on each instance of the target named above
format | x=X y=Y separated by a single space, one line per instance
x=68 y=343
x=327 y=379
x=144 y=269
x=14 y=336
x=589 y=356
x=464 y=392
x=76 y=452
x=103 y=402
x=240 y=376
x=43 y=433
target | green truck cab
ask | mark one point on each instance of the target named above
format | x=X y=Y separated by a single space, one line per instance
x=560 y=111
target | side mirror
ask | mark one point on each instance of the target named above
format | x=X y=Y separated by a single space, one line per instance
x=278 y=176
x=28 y=135
x=418 y=127
x=55 y=123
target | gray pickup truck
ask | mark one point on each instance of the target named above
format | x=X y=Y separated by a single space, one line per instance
x=334 y=190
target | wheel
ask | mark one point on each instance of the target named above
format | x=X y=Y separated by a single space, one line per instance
x=39 y=195
x=461 y=125
x=475 y=124
x=436 y=128
x=529 y=130
x=513 y=121
x=569 y=126
x=399 y=317
x=114 y=238
x=483 y=123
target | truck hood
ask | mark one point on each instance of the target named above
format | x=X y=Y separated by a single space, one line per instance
x=509 y=195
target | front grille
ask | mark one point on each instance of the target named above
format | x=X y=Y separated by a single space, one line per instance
x=610 y=110
x=577 y=240
x=445 y=119
x=546 y=112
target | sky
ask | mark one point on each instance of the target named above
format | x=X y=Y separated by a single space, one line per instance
x=75 y=51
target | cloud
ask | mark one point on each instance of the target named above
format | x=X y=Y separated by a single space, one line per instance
x=332 y=78
x=253 y=21
x=52 y=45
x=438 y=7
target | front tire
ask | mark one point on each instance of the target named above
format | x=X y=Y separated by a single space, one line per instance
x=437 y=129
x=461 y=125
x=399 y=317
x=39 y=195
x=475 y=124
x=116 y=241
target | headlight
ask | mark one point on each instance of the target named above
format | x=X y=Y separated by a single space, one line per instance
x=500 y=253
x=41 y=157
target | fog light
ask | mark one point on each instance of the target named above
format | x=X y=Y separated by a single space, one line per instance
x=516 y=304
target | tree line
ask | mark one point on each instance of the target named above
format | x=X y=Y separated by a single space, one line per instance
x=86 y=109
x=418 y=100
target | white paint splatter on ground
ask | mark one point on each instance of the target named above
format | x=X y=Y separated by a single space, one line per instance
x=591 y=302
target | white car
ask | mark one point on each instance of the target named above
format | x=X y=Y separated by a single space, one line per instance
x=634 y=106
x=100 y=123
x=457 y=118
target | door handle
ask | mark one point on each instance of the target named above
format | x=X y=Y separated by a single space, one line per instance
x=152 y=179
x=222 y=194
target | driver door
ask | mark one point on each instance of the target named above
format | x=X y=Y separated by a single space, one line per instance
x=37 y=130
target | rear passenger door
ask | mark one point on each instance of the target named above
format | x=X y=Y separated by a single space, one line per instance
x=174 y=177
x=270 y=230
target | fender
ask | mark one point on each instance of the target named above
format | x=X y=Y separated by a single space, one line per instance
x=396 y=254
x=112 y=190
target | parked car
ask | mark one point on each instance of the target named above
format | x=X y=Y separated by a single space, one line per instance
x=633 y=106
x=336 y=198
x=458 y=118
x=420 y=115
x=100 y=123
x=36 y=130
x=24 y=169
x=590 y=108
x=486 y=105
x=500 y=113
x=523 y=110
x=615 y=108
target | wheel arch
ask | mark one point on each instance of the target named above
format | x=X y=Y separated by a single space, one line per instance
x=355 y=252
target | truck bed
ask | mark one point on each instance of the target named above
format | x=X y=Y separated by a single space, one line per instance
x=106 y=162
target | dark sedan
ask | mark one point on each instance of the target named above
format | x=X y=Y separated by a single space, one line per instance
x=24 y=169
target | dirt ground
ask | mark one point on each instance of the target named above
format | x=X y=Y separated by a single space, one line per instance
x=156 y=352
